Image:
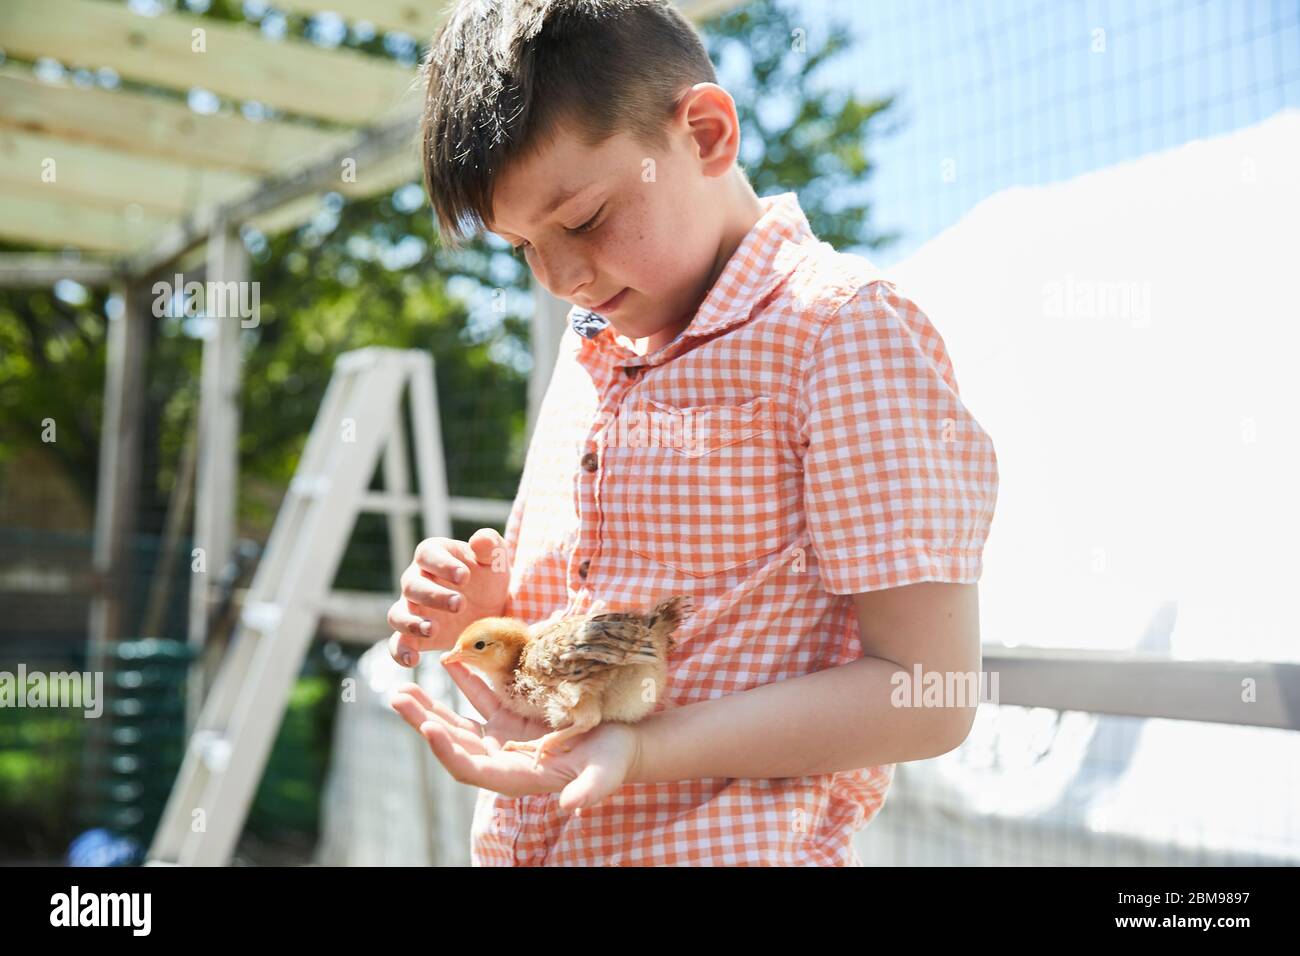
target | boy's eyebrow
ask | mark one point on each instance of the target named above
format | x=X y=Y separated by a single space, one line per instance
x=558 y=199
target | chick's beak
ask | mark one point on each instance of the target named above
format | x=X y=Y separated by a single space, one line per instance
x=451 y=657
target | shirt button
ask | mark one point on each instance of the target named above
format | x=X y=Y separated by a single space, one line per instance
x=582 y=568
x=589 y=461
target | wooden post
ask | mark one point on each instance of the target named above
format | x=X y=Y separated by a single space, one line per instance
x=117 y=491
x=401 y=539
x=119 y=468
x=217 y=479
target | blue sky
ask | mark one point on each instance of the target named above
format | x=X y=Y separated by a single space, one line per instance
x=999 y=93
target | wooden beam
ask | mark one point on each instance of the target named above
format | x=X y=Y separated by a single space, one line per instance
x=288 y=216
x=108 y=179
x=369 y=150
x=417 y=18
x=1142 y=685
x=377 y=176
x=236 y=60
x=21 y=270
x=28 y=217
x=155 y=125
x=487 y=511
x=101 y=180
x=423 y=20
x=701 y=10
x=112 y=179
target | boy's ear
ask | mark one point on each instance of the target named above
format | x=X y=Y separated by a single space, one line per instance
x=709 y=114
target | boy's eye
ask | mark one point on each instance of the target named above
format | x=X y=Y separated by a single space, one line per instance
x=587 y=226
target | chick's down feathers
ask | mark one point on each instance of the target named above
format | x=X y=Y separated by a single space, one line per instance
x=616 y=661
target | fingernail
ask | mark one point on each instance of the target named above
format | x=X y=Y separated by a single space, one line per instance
x=461 y=575
x=425 y=627
x=454 y=603
x=406 y=658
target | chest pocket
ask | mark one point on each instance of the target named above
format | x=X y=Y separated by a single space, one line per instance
x=697 y=488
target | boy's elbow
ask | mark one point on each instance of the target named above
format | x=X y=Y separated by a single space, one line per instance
x=951 y=730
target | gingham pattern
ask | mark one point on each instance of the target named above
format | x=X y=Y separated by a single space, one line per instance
x=801 y=441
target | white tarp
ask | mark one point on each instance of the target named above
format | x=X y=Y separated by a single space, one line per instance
x=1129 y=339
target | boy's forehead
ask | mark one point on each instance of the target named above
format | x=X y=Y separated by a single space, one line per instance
x=533 y=186
x=535 y=204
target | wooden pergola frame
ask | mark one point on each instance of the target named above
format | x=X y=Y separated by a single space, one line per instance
x=141 y=185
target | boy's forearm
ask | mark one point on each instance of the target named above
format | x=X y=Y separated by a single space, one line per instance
x=841 y=718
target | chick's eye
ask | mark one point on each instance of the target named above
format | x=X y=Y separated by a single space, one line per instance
x=479 y=646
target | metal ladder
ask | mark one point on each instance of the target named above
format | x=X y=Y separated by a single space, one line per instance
x=360 y=418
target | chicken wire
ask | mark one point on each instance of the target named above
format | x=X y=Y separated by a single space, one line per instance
x=387 y=801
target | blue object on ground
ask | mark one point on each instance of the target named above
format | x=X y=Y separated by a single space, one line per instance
x=100 y=847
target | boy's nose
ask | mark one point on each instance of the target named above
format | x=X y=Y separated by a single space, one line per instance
x=567 y=278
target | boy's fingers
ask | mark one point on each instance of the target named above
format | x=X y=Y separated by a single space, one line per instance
x=459 y=762
x=415 y=715
x=404 y=649
x=410 y=619
x=415 y=691
x=443 y=558
x=424 y=593
x=481 y=770
x=446 y=713
x=475 y=690
x=410 y=709
x=487 y=544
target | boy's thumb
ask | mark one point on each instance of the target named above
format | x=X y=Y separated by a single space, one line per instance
x=487 y=543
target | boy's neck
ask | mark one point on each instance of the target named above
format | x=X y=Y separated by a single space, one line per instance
x=746 y=211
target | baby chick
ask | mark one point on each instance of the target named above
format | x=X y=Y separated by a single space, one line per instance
x=575 y=672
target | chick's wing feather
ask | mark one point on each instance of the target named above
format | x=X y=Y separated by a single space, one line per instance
x=578 y=649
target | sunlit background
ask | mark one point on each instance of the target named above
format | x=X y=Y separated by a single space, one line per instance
x=1095 y=202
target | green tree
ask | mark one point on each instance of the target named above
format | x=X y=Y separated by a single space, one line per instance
x=799 y=132
x=372 y=272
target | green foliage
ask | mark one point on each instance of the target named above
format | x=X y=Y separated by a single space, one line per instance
x=39 y=754
x=363 y=273
x=372 y=272
x=797 y=132
x=288 y=797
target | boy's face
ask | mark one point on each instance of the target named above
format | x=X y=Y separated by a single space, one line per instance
x=638 y=225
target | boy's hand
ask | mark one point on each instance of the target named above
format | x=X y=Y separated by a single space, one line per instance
x=436 y=604
x=597 y=764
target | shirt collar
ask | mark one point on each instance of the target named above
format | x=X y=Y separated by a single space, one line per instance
x=765 y=257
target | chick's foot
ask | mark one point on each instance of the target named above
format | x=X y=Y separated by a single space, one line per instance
x=539 y=746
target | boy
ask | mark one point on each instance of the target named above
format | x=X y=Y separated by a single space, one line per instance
x=812 y=478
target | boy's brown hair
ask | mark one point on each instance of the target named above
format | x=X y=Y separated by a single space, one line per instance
x=504 y=75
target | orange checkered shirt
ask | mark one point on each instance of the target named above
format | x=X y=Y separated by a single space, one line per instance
x=800 y=441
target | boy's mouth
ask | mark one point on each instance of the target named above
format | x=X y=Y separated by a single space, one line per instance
x=610 y=303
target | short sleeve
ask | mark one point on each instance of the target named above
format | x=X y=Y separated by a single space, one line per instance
x=900 y=480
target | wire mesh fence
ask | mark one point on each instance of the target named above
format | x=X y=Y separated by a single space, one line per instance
x=991 y=96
